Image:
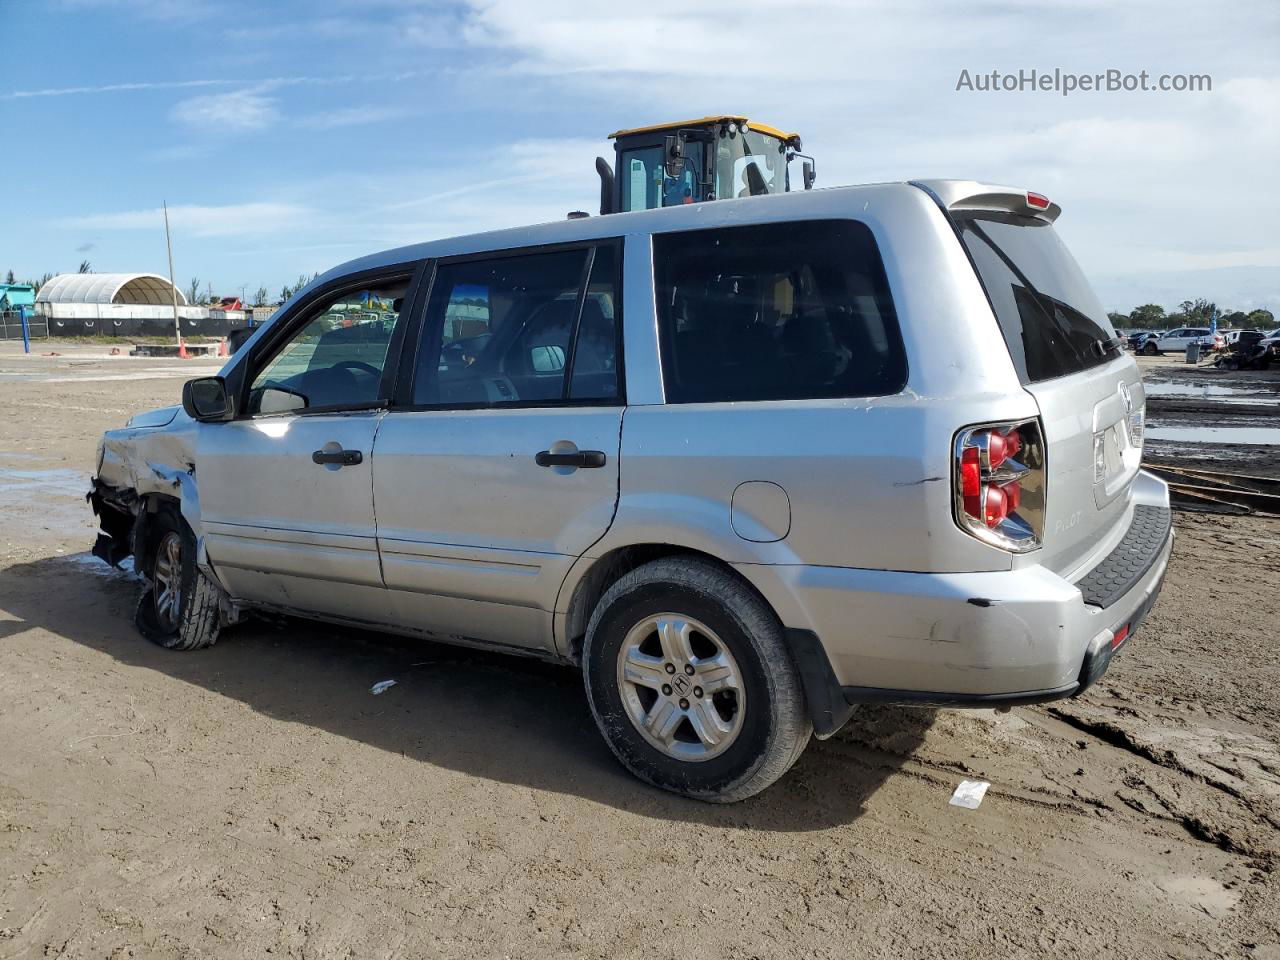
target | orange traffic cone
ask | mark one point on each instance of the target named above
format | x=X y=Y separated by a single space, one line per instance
x=222 y=348
x=182 y=350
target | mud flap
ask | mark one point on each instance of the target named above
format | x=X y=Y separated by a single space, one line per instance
x=828 y=709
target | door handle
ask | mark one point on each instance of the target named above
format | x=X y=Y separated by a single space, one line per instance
x=343 y=458
x=580 y=458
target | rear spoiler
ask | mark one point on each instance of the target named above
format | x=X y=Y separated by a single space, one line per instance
x=956 y=196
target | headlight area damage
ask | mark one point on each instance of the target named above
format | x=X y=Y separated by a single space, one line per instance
x=148 y=506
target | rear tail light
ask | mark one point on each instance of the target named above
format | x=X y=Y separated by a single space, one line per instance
x=1000 y=484
x=1037 y=201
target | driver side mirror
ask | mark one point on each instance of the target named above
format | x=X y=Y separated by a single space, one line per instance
x=206 y=399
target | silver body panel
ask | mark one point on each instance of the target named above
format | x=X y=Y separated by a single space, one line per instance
x=838 y=511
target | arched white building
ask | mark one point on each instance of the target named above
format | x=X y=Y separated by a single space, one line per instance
x=133 y=288
x=124 y=304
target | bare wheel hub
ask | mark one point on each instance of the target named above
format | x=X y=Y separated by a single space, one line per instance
x=166 y=582
x=681 y=687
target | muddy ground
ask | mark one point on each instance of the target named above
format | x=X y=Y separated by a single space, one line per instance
x=256 y=798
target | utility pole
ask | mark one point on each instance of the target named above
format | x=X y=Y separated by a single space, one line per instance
x=173 y=290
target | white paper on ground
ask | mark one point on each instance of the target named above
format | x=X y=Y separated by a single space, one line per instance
x=381 y=686
x=969 y=794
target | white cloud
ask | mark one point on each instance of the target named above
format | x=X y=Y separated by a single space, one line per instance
x=350 y=117
x=1148 y=181
x=237 y=219
x=236 y=112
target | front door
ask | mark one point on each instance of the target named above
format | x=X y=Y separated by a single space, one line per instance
x=286 y=489
x=498 y=467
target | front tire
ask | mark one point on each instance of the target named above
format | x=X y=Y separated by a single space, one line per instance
x=179 y=610
x=1150 y=349
x=691 y=683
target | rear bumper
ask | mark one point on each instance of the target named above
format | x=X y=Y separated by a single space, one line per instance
x=977 y=639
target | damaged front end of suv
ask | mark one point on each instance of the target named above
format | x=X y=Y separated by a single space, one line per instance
x=145 y=498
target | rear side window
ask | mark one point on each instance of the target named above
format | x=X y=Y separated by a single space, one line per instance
x=1051 y=320
x=782 y=311
x=525 y=329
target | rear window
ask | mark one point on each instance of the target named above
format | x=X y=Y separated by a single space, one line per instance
x=781 y=311
x=1051 y=320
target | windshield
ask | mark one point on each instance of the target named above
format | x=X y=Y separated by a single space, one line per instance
x=1051 y=319
x=734 y=154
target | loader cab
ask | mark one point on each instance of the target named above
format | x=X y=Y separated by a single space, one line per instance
x=714 y=158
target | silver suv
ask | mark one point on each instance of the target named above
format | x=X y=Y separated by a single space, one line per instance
x=747 y=463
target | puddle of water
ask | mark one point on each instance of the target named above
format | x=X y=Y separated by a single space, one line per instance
x=1262 y=436
x=23 y=482
x=1210 y=391
x=91 y=564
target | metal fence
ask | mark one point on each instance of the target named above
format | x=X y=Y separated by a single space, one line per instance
x=11 y=326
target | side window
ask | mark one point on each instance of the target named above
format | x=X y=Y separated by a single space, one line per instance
x=337 y=357
x=784 y=311
x=501 y=331
x=595 y=355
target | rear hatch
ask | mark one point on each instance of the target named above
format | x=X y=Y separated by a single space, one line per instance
x=1068 y=357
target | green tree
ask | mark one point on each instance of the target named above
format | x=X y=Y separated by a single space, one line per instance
x=1149 y=316
x=285 y=293
x=1195 y=313
x=1118 y=320
x=193 y=290
x=260 y=298
x=85 y=267
x=1261 y=319
x=9 y=278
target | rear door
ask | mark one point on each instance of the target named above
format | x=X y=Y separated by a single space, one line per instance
x=286 y=490
x=498 y=465
x=1089 y=391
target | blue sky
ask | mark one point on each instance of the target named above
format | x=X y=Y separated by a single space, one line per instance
x=288 y=137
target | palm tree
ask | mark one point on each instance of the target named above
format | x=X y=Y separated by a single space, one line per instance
x=85 y=267
x=193 y=290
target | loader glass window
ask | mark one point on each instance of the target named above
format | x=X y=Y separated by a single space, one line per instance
x=336 y=359
x=785 y=311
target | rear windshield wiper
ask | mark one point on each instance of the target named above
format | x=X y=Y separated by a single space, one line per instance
x=1106 y=345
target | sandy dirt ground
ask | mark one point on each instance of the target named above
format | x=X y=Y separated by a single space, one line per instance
x=256 y=799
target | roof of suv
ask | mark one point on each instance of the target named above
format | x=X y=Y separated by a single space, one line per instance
x=954 y=194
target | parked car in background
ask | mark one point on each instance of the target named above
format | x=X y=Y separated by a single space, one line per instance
x=752 y=487
x=1179 y=339
x=1140 y=337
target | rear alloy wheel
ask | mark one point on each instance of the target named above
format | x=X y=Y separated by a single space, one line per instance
x=691 y=682
x=179 y=609
x=681 y=687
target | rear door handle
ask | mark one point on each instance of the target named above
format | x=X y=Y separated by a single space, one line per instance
x=343 y=458
x=582 y=458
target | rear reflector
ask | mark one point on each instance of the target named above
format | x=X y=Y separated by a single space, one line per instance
x=1120 y=636
x=1038 y=201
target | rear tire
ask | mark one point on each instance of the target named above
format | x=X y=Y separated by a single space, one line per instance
x=179 y=610
x=695 y=624
x=1150 y=349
